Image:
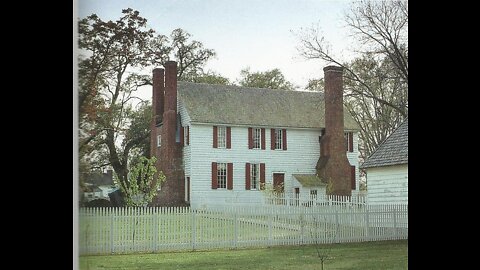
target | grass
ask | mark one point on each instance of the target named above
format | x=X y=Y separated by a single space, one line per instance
x=367 y=255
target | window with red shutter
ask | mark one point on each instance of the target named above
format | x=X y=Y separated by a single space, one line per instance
x=262 y=176
x=263 y=139
x=188 y=135
x=352 y=177
x=182 y=134
x=229 y=137
x=230 y=176
x=215 y=137
x=284 y=139
x=272 y=139
x=214 y=175
x=247 y=176
x=350 y=142
x=250 y=138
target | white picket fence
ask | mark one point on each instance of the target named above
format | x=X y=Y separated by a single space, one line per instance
x=132 y=230
x=317 y=200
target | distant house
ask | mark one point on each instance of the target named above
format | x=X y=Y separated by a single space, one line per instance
x=387 y=169
x=98 y=185
x=221 y=144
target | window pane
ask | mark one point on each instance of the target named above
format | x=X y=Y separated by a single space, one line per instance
x=254 y=176
x=222 y=175
x=222 y=137
x=256 y=138
x=278 y=139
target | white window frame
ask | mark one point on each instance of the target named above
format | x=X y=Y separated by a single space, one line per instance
x=254 y=176
x=257 y=138
x=221 y=175
x=185 y=135
x=278 y=139
x=313 y=194
x=222 y=137
x=159 y=140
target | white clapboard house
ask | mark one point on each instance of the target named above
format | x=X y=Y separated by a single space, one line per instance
x=233 y=141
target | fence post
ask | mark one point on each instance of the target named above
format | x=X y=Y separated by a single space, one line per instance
x=337 y=223
x=235 y=220
x=394 y=221
x=270 y=227
x=302 y=225
x=194 y=229
x=367 y=230
x=112 y=220
x=155 y=229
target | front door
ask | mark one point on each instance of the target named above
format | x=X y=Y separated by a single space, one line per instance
x=278 y=182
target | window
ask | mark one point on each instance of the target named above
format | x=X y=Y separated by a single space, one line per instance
x=159 y=140
x=257 y=135
x=278 y=139
x=222 y=137
x=222 y=175
x=313 y=194
x=349 y=141
x=254 y=176
x=186 y=134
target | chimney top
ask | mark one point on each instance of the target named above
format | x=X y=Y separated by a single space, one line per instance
x=333 y=68
x=168 y=63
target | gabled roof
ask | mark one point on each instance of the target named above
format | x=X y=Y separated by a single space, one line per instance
x=392 y=151
x=236 y=105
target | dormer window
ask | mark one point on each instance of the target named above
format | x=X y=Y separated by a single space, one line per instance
x=159 y=140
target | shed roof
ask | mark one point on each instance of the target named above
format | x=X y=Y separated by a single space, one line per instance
x=309 y=180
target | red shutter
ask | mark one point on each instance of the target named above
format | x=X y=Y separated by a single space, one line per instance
x=230 y=176
x=214 y=176
x=229 y=137
x=247 y=176
x=215 y=137
x=182 y=132
x=250 y=138
x=272 y=138
x=263 y=139
x=352 y=177
x=350 y=142
x=262 y=175
x=284 y=138
x=188 y=135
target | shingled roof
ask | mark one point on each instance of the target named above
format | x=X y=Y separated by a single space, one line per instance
x=393 y=151
x=236 y=105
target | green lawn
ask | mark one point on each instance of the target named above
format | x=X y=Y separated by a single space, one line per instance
x=368 y=255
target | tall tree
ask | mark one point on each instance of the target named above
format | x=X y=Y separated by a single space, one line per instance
x=376 y=81
x=113 y=122
x=272 y=79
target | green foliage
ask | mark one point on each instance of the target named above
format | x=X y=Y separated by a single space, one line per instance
x=209 y=77
x=142 y=182
x=114 y=124
x=272 y=79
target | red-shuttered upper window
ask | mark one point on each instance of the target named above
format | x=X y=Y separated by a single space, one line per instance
x=349 y=141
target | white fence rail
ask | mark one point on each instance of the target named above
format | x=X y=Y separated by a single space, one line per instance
x=131 y=230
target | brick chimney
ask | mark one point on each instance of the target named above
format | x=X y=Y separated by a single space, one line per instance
x=333 y=167
x=158 y=100
x=169 y=155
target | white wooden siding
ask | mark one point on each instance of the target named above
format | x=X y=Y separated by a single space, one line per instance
x=300 y=157
x=388 y=184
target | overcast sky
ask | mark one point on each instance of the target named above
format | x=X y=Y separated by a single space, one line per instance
x=245 y=33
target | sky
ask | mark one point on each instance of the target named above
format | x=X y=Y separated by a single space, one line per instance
x=258 y=34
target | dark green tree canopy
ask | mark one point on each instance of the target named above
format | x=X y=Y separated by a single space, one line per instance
x=272 y=79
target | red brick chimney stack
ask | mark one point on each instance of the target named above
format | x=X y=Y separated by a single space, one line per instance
x=169 y=155
x=158 y=94
x=333 y=166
